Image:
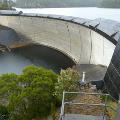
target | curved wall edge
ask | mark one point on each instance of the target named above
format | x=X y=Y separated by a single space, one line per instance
x=73 y=36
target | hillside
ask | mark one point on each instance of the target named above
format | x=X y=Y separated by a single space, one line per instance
x=67 y=3
x=57 y=3
x=62 y=3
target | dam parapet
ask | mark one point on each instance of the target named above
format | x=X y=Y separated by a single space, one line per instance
x=109 y=27
x=77 y=38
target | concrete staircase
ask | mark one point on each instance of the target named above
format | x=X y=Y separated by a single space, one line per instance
x=85 y=106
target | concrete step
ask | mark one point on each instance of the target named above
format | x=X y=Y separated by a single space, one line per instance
x=82 y=117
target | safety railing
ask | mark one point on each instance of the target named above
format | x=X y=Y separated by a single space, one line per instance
x=103 y=105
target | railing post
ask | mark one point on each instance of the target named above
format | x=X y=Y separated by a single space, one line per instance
x=62 y=107
x=106 y=96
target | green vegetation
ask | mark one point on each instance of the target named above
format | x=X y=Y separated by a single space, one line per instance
x=112 y=106
x=111 y=3
x=29 y=95
x=34 y=94
x=6 y=5
x=4 y=114
x=67 y=81
x=111 y=111
x=67 y=3
x=3 y=6
x=37 y=93
x=57 y=3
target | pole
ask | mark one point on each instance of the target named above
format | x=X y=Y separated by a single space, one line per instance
x=62 y=107
x=83 y=78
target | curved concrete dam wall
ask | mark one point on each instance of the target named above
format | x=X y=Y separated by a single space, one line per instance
x=85 y=41
x=72 y=36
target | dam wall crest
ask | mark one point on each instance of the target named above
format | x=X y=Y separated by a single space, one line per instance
x=81 y=39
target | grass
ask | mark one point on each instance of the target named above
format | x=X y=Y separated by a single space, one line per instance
x=111 y=111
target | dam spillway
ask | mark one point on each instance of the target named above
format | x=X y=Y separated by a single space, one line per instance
x=84 y=41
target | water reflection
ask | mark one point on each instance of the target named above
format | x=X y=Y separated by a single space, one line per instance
x=18 y=58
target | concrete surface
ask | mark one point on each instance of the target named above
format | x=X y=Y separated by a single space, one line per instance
x=82 y=44
x=93 y=72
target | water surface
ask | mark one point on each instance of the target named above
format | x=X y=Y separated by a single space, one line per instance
x=18 y=58
x=83 y=12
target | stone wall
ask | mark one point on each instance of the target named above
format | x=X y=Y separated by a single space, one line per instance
x=79 y=42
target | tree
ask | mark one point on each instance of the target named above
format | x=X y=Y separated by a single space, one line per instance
x=111 y=3
x=4 y=114
x=6 y=4
x=57 y=3
x=67 y=81
x=30 y=94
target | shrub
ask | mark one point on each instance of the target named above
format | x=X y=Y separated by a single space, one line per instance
x=67 y=81
x=30 y=94
x=4 y=114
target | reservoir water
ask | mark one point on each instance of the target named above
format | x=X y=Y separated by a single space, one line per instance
x=83 y=12
x=17 y=59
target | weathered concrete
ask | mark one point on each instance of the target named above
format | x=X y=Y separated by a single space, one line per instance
x=70 y=35
x=93 y=72
x=8 y=36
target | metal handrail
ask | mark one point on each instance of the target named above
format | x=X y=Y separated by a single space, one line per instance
x=86 y=104
x=86 y=93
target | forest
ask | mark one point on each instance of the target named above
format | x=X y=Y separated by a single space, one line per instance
x=62 y=3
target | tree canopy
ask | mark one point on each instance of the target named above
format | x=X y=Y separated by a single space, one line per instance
x=7 y=4
x=68 y=80
x=57 y=3
x=35 y=93
x=67 y=3
x=30 y=94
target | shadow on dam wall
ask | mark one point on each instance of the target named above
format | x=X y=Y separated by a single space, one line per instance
x=10 y=39
x=29 y=53
x=8 y=36
x=44 y=56
x=18 y=58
